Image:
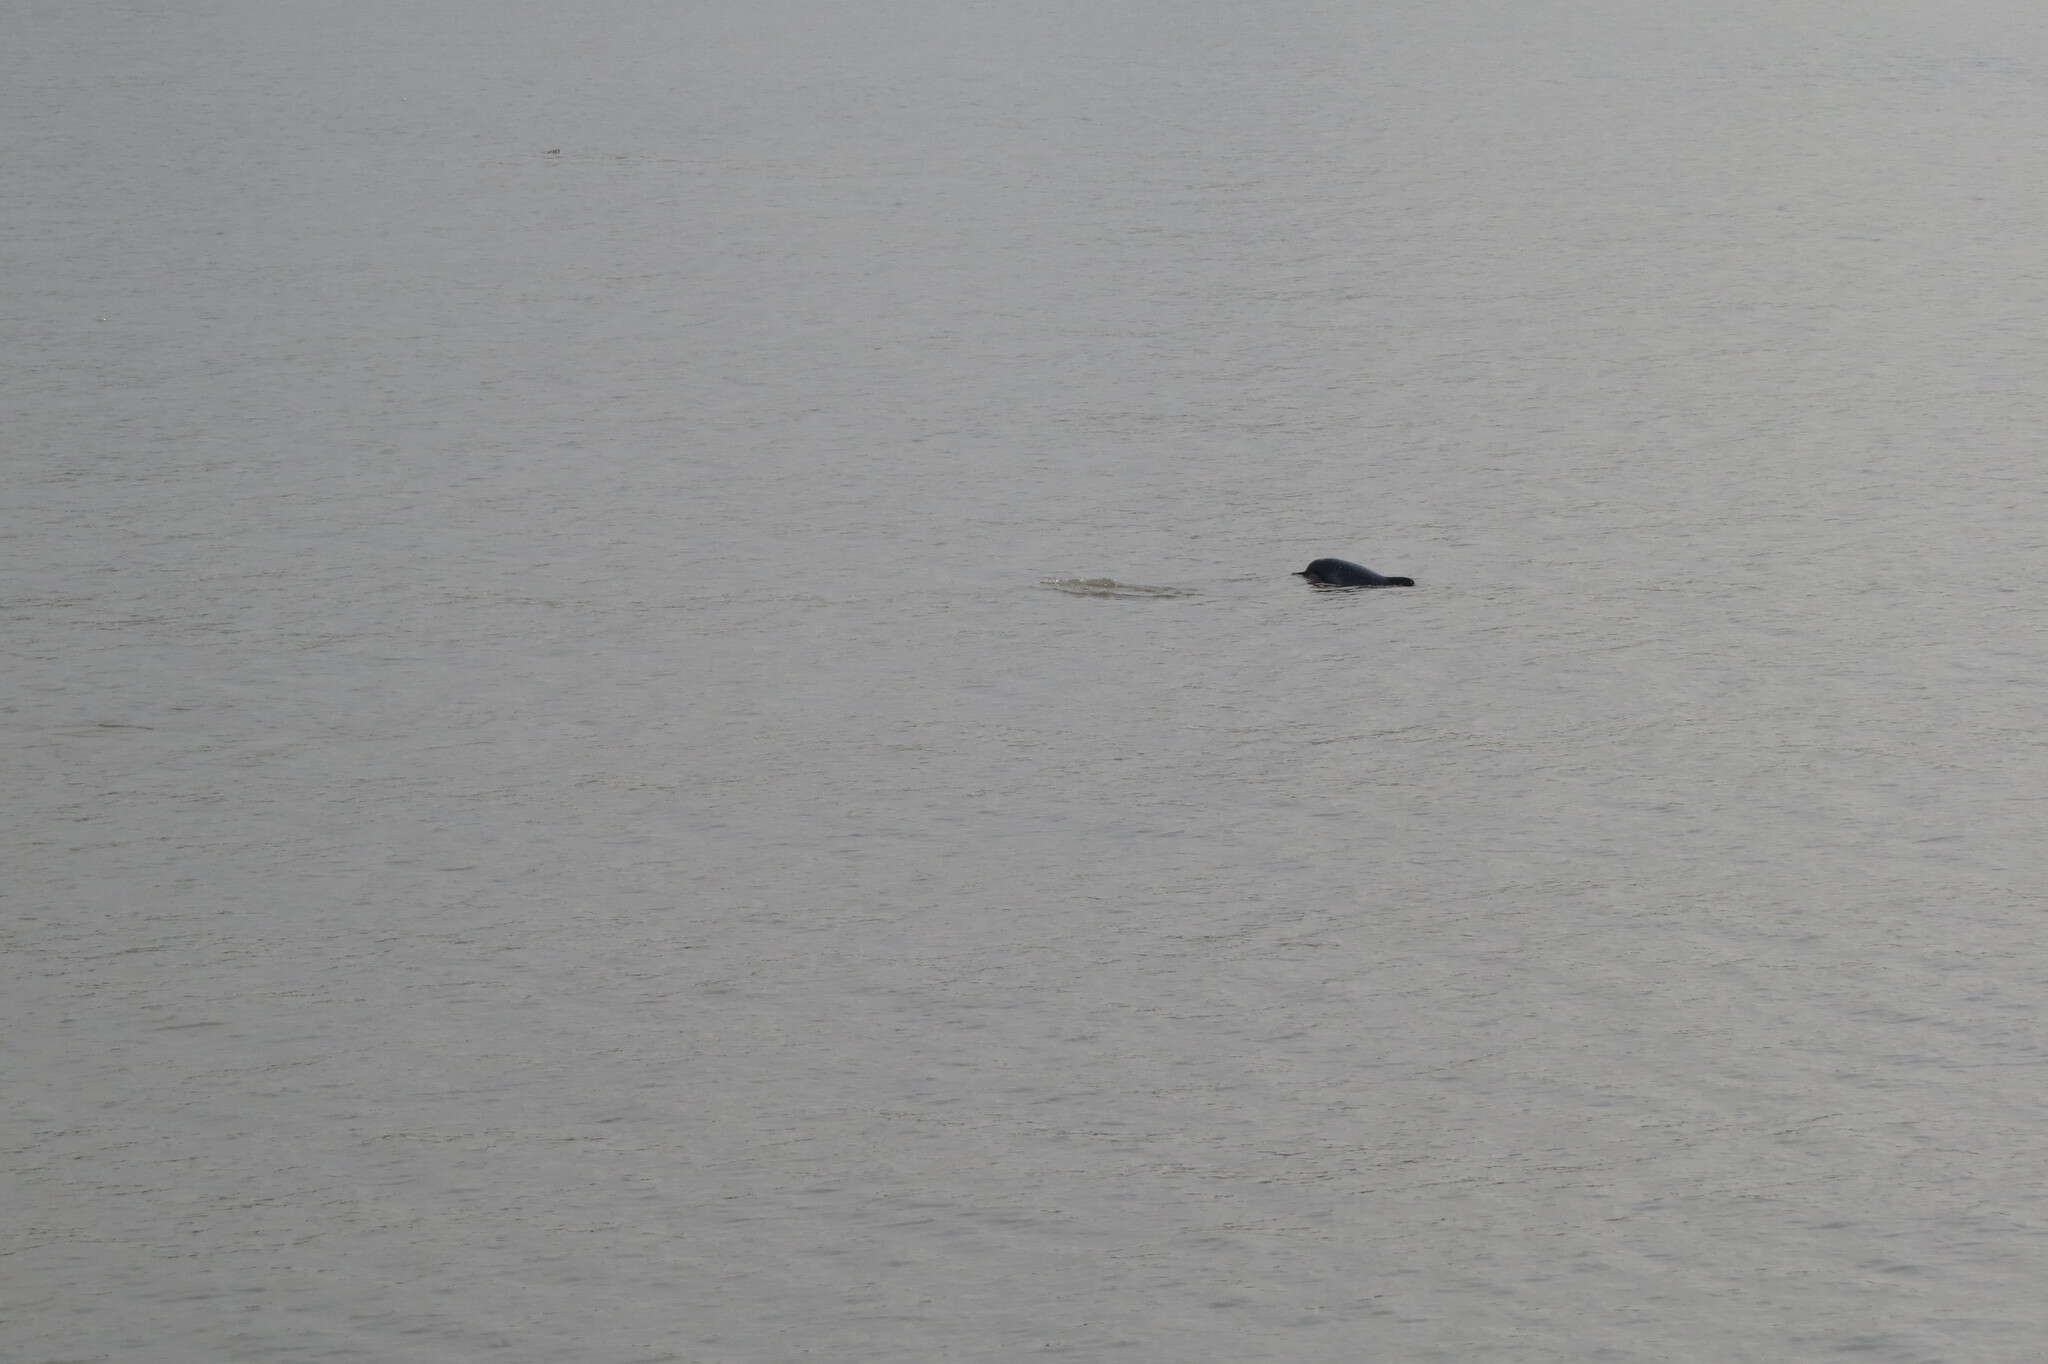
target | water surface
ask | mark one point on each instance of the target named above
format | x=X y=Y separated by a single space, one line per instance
x=658 y=709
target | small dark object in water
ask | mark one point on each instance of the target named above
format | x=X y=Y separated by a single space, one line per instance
x=1338 y=573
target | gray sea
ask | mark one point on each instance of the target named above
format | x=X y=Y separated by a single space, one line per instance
x=656 y=709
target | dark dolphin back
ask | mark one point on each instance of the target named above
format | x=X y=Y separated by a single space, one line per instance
x=1342 y=573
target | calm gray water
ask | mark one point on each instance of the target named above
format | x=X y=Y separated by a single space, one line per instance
x=593 y=777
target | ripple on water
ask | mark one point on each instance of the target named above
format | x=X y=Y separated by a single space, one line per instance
x=1110 y=587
